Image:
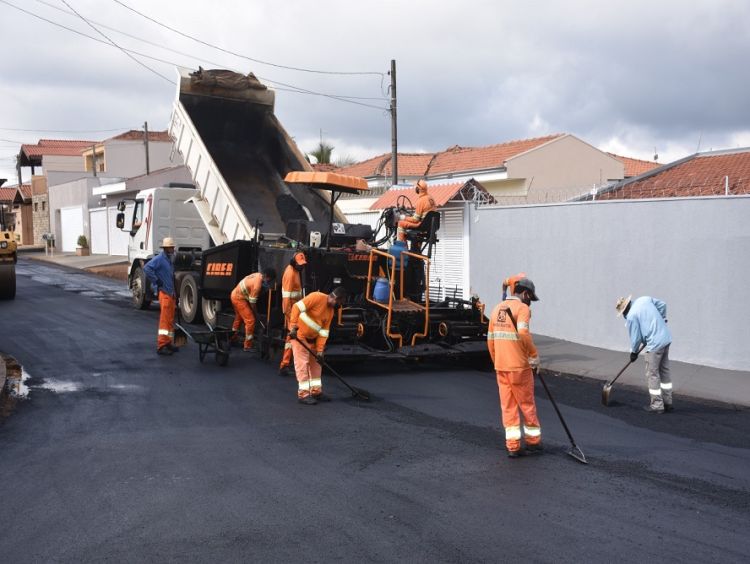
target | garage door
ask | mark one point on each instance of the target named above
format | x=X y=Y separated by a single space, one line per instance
x=98 y=223
x=71 y=227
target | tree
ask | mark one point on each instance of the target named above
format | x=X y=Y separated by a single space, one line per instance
x=322 y=153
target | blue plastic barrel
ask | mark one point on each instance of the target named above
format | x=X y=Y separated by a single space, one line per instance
x=382 y=290
x=396 y=249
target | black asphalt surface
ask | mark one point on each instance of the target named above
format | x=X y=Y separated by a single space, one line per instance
x=118 y=454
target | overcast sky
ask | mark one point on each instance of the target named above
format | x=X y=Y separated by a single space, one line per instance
x=626 y=76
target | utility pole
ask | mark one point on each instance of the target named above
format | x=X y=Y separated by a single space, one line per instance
x=93 y=159
x=394 y=134
x=145 y=142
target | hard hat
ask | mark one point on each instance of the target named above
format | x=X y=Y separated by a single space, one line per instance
x=299 y=258
x=167 y=242
x=527 y=284
x=622 y=304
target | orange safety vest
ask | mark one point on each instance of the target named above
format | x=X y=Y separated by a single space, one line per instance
x=510 y=347
x=312 y=317
x=249 y=287
x=291 y=288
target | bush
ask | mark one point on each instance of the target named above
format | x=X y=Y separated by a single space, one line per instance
x=83 y=242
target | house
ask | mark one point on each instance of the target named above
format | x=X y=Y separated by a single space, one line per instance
x=124 y=155
x=712 y=173
x=551 y=168
x=634 y=167
x=15 y=212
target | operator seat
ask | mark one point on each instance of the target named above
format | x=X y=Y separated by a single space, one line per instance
x=425 y=234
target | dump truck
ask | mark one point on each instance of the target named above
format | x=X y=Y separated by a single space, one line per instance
x=261 y=202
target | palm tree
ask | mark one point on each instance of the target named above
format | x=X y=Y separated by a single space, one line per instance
x=322 y=153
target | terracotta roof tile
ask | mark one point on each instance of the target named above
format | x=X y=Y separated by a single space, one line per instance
x=60 y=147
x=7 y=194
x=700 y=175
x=461 y=159
x=137 y=135
x=441 y=193
x=368 y=168
x=634 y=167
x=323 y=167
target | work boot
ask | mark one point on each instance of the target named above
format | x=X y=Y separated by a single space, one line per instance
x=649 y=409
x=514 y=453
x=535 y=449
x=164 y=351
x=285 y=371
x=668 y=408
x=322 y=397
x=173 y=348
x=248 y=349
x=309 y=400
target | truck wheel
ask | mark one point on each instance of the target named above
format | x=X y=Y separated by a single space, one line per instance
x=139 y=287
x=7 y=282
x=190 y=300
x=210 y=308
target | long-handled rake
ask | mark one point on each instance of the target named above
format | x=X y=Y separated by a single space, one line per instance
x=607 y=389
x=358 y=393
x=575 y=451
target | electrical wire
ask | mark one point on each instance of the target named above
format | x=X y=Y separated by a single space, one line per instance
x=92 y=26
x=301 y=69
x=66 y=130
x=291 y=88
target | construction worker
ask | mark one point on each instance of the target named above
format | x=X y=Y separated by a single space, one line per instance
x=160 y=273
x=291 y=291
x=245 y=299
x=646 y=320
x=425 y=204
x=510 y=283
x=309 y=323
x=515 y=357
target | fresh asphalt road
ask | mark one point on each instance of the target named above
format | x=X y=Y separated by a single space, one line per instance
x=119 y=454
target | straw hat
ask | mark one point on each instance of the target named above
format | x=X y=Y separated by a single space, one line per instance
x=168 y=242
x=622 y=304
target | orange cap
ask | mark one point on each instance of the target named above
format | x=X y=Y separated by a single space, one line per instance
x=299 y=258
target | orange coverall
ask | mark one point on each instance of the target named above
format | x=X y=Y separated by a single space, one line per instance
x=510 y=351
x=291 y=291
x=244 y=294
x=311 y=316
x=167 y=305
x=425 y=204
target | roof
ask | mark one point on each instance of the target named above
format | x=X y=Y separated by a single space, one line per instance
x=7 y=194
x=634 y=167
x=137 y=135
x=441 y=193
x=10 y=193
x=60 y=147
x=323 y=167
x=452 y=160
x=702 y=174
x=457 y=159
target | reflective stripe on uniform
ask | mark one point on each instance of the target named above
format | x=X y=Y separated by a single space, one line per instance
x=248 y=337
x=654 y=392
x=307 y=385
x=513 y=433
x=316 y=383
x=532 y=431
x=522 y=325
x=310 y=323
x=324 y=333
x=287 y=346
x=166 y=332
x=501 y=336
x=301 y=306
x=400 y=230
x=290 y=294
x=418 y=217
x=667 y=386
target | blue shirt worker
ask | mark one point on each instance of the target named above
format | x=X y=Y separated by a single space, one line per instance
x=646 y=321
x=160 y=272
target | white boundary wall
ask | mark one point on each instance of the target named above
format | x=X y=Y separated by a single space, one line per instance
x=693 y=253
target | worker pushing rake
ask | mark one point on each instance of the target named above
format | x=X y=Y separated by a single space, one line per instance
x=516 y=360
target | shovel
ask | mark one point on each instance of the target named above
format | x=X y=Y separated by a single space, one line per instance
x=607 y=389
x=180 y=336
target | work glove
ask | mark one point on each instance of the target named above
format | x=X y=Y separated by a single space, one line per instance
x=320 y=357
x=293 y=333
x=534 y=362
x=633 y=356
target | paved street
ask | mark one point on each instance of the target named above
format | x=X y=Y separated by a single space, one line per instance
x=119 y=454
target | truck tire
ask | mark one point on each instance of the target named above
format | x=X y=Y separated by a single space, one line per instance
x=7 y=282
x=139 y=286
x=210 y=308
x=190 y=300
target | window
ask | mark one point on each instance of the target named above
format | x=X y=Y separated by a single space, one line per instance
x=44 y=206
x=137 y=215
x=36 y=206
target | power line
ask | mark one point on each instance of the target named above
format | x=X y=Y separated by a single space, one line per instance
x=67 y=130
x=92 y=26
x=292 y=88
x=380 y=74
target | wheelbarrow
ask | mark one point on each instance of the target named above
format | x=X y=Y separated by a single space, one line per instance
x=215 y=340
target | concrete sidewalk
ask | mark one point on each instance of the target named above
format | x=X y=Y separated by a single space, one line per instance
x=705 y=382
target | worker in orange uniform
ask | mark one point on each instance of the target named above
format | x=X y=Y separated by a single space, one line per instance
x=245 y=299
x=425 y=204
x=309 y=323
x=515 y=356
x=160 y=272
x=510 y=283
x=291 y=291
